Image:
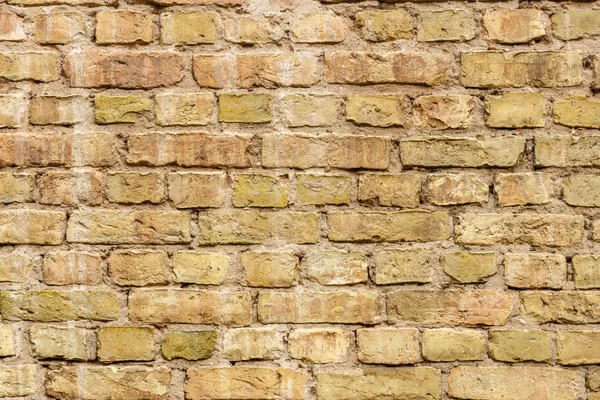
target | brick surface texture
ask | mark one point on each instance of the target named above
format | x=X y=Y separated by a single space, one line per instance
x=299 y=200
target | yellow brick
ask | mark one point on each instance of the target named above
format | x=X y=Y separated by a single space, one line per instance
x=197 y=189
x=514 y=26
x=383 y=26
x=323 y=189
x=13 y=110
x=125 y=343
x=189 y=345
x=15 y=267
x=58 y=28
x=134 y=187
x=16 y=188
x=188 y=28
x=335 y=267
x=62 y=343
x=200 y=268
x=310 y=109
x=249 y=30
x=587 y=271
x=577 y=111
x=443 y=112
x=377 y=110
x=519 y=189
x=32 y=227
x=441 y=26
x=577 y=347
x=244 y=344
x=535 y=270
x=18 y=380
x=270 y=269
x=469 y=267
x=515 y=110
x=119 y=109
x=518 y=346
x=39 y=66
x=73 y=268
x=402 y=266
x=390 y=346
x=7 y=341
x=451 y=189
x=248 y=108
x=319 y=346
x=123 y=27
x=443 y=345
x=58 y=110
x=183 y=108
x=399 y=190
x=138 y=267
x=318 y=28
x=259 y=190
x=575 y=24
x=564 y=306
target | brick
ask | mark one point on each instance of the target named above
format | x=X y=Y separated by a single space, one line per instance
x=515 y=383
x=197 y=189
x=13 y=110
x=7 y=341
x=58 y=110
x=461 y=152
x=564 y=307
x=310 y=109
x=225 y=3
x=200 y=268
x=188 y=28
x=138 y=267
x=125 y=343
x=319 y=346
x=576 y=24
x=183 y=108
x=443 y=345
x=577 y=111
x=363 y=68
x=272 y=70
x=318 y=28
x=15 y=267
x=596 y=68
x=443 y=26
x=38 y=66
x=339 y=307
x=384 y=26
x=56 y=306
x=119 y=109
x=244 y=344
x=60 y=343
x=129 y=227
x=449 y=307
x=335 y=267
x=323 y=189
x=250 y=226
x=270 y=269
x=371 y=384
x=189 y=345
x=123 y=69
x=16 y=187
x=134 y=187
x=519 y=189
x=32 y=227
x=73 y=268
x=396 y=266
x=535 y=270
x=515 y=110
x=400 y=226
x=398 y=190
x=453 y=189
x=553 y=230
x=108 y=382
x=213 y=71
x=518 y=346
x=577 y=347
x=443 y=112
x=587 y=271
x=71 y=2
x=390 y=346
x=11 y=27
x=58 y=27
x=244 y=382
x=336 y=151
x=190 y=307
x=469 y=267
x=497 y=69
x=514 y=26
x=18 y=380
x=563 y=151
x=189 y=149
x=249 y=30
x=70 y=188
x=377 y=110
x=593 y=382
x=245 y=108
x=259 y=190
x=123 y=27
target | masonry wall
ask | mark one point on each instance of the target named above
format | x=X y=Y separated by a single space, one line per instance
x=294 y=199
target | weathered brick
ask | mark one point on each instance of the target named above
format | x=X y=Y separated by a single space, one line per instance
x=62 y=343
x=469 y=267
x=390 y=346
x=11 y=27
x=125 y=343
x=496 y=69
x=577 y=111
x=575 y=24
x=138 y=267
x=577 y=347
x=123 y=27
x=443 y=345
x=200 y=268
x=244 y=382
x=335 y=267
x=16 y=187
x=318 y=28
x=259 y=190
x=443 y=112
x=273 y=70
x=245 y=108
x=183 y=108
x=7 y=341
x=452 y=189
x=13 y=110
x=251 y=30
x=587 y=271
x=72 y=268
x=400 y=226
x=395 y=266
x=336 y=151
x=189 y=345
x=377 y=383
x=323 y=189
x=119 y=109
x=341 y=307
x=461 y=152
x=515 y=110
x=310 y=109
x=443 y=26
x=398 y=190
x=252 y=344
x=58 y=27
x=190 y=307
x=514 y=26
x=69 y=188
x=197 y=189
x=125 y=226
x=377 y=110
x=55 y=306
x=535 y=270
x=564 y=306
x=123 y=69
x=58 y=110
x=535 y=229
x=270 y=269
x=39 y=66
x=18 y=380
x=319 y=345
x=563 y=151
x=383 y=26
x=32 y=227
x=134 y=187
x=517 y=346
x=225 y=3
x=450 y=307
x=496 y=383
x=70 y=2
x=363 y=68
x=188 y=28
x=15 y=267
x=213 y=71
x=519 y=189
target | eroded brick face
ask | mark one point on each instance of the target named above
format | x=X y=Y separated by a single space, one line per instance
x=299 y=200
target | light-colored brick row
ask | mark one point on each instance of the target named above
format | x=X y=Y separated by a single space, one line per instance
x=333 y=268
x=535 y=270
x=70 y=188
x=197 y=189
x=189 y=345
x=270 y=269
x=73 y=268
x=214 y=70
x=563 y=307
x=13 y=110
x=318 y=28
x=260 y=190
x=587 y=271
x=12 y=27
x=7 y=341
x=515 y=110
x=125 y=343
x=251 y=30
x=59 y=27
x=135 y=187
x=384 y=26
x=596 y=68
x=32 y=227
x=16 y=187
x=397 y=190
x=577 y=347
x=390 y=346
x=18 y=380
x=577 y=111
x=520 y=189
x=468 y=266
x=323 y=189
x=186 y=28
x=397 y=266
x=514 y=26
x=245 y=108
x=183 y=109
x=443 y=112
x=445 y=345
x=119 y=109
x=15 y=267
x=576 y=24
x=567 y=151
x=518 y=346
x=446 y=26
x=224 y=3
x=138 y=267
x=74 y=344
x=381 y=110
x=310 y=109
x=271 y=70
x=123 y=27
x=200 y=268
x=69 y=2
x=58 y=110
x=244 y=344
x=454 y=189
x=37 y=66
x=319 y=346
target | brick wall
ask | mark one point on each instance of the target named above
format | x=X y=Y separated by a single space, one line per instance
x=299 y=199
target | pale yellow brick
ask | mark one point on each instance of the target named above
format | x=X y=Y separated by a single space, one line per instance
x=514 y=26
x=123 y=27
x=575 y=24
x=577 y=347
x=189 y=345
x=469 y=267
x=251 y=30
x=260 y=190
x=59 y=27
x=587 y=271
x=318 y=28
x=13 y=110
x=138 y=267
x=134 y=187
x=382 y=26
x=519 y=189
x=319 y=346
x=213 y=71
x=62 y=343
x=70 y=188
x=518 y=346
x=11 y=27
x=39 y=66
x=453 y=189
x=515 y=110
x=197 y=189
x=15 y=267
x=396 y=266
x=398 y=190
x=563 y=306
x=16 y=187
x=582 y=190
x=443 y=345
x=377 y=110
x=244 y=344
x=310 y=109
x=577 y=111
x=188 y=28
x=32 y=227
x=125 y=343
x=183 y=108
x=119 y=109
x=245 y=108
x=535 y=270
x=449 y=25
x=443 y=112
x=73 y=268
x=270 y=269
x=200 y=268
x=335 y=267
x=272 y=70
x=323 y=189
x=390 y=346
x=7 y=341
x=58 y=110
x=18 y=380
x=566 y=150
